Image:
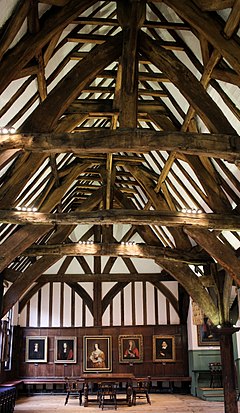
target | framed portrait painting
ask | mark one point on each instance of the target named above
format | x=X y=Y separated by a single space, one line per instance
x=65 y=350
x=164 y=349
x=97 y=353
x=36 y=349
x=130 y=349
x=206 y=334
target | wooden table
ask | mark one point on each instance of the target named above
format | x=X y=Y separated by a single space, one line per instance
x=108 y=377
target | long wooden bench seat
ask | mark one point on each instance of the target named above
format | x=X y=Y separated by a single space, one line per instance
x=184 y=380
x=171 y=378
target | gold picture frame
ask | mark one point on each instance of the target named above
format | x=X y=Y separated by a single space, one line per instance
x=97 y=353
x=65 y=350
x=36 y=349
x=130 y=348
x=164 y=349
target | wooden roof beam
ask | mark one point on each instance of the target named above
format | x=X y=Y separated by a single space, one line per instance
x=222 y=222
x=202 y=22
x=128 y=140
x=25 y=50
x=119 y=250
x=187 y=83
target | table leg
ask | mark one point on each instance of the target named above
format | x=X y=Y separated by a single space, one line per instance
x=85 y=392
x=129 y=395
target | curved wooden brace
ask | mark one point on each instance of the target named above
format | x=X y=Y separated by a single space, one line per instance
x=168 y=294
x=119 y=286
x=29 y=294
x=192 y=284
x=111 y=294
x=83 y=294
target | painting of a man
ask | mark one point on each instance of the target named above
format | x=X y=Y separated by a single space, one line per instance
x=36 y=349
x=163 y=348
x=65 y=350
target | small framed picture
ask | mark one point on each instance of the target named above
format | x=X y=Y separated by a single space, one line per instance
x=65 y=350
x=130 y=349
x=164 y=348
x=206 y=334
x=97 y=353
x=36 y=349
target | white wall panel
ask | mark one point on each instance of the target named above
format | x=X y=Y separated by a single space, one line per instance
x=139 y=303
x=56 y=305
x=74 y=267
x=174 y=318
x=33 y=311
x=22 y=317
x=78 y=311
x=117 y=310
x=150 y=304
x=162 y=313
x=89 y=318
x=88 y=287
x=127 y=305
x=106 y=317
x=67 y=306
x=45 y=306
x=106 y=286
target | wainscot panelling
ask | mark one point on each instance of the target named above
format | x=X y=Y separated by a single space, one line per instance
x=148 y=367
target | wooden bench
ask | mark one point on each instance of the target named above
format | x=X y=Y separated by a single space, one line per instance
x=31 y=383
x=184 y=380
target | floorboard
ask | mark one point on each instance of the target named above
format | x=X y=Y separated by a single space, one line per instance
x=167 y=403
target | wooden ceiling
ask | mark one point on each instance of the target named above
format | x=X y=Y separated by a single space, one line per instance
x=124 y=112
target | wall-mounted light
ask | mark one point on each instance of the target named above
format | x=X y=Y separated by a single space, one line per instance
x=191 y=211
x=6 y=131
x=28 y=209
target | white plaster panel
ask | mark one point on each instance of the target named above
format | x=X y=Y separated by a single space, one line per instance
x=56 y=305
x=33 y=311
x=162 y=312
x=67 y=306
x=78 y=311
x=117 y=310
x=139 y=303
x=150 y=304
x=127 y=305
x=45 y=306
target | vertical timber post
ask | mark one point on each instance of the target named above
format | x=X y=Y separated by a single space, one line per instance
x=228 y=369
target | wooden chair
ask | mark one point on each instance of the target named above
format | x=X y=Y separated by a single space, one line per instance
x=73 y=388
x=107 y=394
x=215 y=374
x=141 y=390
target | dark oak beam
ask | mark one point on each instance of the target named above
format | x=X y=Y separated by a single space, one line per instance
x=119 y=250
x=229 y=222
x=51 y=23
x=46 y=115
x=115 y=277
x=213 y=5
x=187 y=83
x=127 y=140
x=208 y=27
x=104 y=106
x=222 y=253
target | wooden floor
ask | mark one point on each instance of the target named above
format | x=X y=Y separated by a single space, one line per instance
x=168 y=403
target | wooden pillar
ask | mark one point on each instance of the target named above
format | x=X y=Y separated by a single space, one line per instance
x=1 y=295
x=228 y=369
x=97 y=285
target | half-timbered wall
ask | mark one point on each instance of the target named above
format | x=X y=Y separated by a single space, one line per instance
x=138 y=303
